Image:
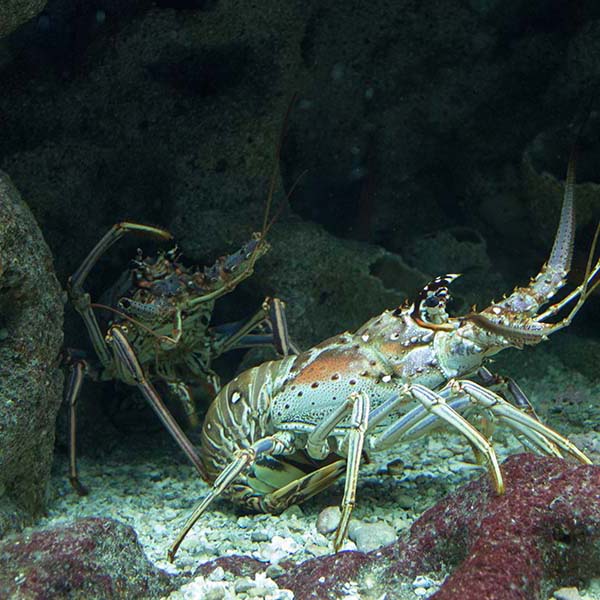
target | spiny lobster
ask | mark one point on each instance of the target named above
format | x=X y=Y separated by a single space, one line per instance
x=285 y=430
x=160 y=327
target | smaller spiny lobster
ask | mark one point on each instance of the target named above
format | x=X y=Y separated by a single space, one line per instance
x=160 y=328
x=285 y=430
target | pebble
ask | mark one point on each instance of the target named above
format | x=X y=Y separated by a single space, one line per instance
x=423 y=581
x=243 y=585
x=370 y=536
x=274 y=571
x=293 y=510
x=215 y=593
x=277 y=549
x=445 y=453
x=328 y=519
x=567 y=593
x=260 y=536
x=217 y=575
x=396 y=467
x=405 y=501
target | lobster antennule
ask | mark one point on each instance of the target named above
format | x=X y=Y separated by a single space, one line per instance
x=523 y=330
x=528 y=300
x=553 y=275
x=562 y=249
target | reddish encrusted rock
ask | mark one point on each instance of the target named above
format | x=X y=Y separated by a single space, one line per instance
x=542 y=533
x=90 y=558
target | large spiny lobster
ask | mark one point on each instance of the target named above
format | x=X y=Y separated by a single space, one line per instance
x=285 y=430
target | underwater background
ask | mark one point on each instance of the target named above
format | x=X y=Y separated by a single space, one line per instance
x=421 y=138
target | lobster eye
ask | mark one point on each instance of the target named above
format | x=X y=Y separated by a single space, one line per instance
x=431 y=301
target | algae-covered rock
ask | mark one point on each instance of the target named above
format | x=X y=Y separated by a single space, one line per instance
x=90 y=558
x=31 y=317
x=15 y=12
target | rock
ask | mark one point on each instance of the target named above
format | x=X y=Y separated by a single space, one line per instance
x=15 y=12
x=370 y=536
x=543 y=171
x=239 y=566
x=89 y=558
x=328 y=519
x=168 y=117
x=544 y=531
x=331 y=285
x=31 y=318
x=567 y=593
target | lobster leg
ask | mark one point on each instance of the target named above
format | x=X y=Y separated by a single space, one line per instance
x=317 y=445
x=127 y=359
x=243 y=459
x=240 y=335
x=515 y=418
x=81 y=299
x=508 y=385
x=435 y=404
x=78 y=370
x=303 y=488
x=419 y=422
x=184 y=394
x=356 y=437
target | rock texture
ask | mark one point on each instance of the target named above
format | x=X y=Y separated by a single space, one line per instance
x=90 y=558
x=543 y=533
x=15 y=12
x=31 y=318
x=411 y=124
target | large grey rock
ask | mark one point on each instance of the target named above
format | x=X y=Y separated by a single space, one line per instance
x=15 y=12
x=31 y=318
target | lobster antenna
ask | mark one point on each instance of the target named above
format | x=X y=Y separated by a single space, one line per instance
x=127 y=318
x=283 y=204
x=284 y=129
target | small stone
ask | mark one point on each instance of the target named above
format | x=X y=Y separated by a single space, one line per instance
x=405 y=501
x=244 y=522
x=277 y=549
x=328 y=519
x=422 y=581
x=243 y=585
x=263 y=586
x=293 y=510
x=445 y=453
x=274 y=571
x=260 y=536
x=353 y=528
x=317 y=549
x=217 y=575
x=396 y=467
x=372 y=536
x=215 y=593
x=420 y=591
x=567 y=593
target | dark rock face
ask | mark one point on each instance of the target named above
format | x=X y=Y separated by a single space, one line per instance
x=31 y=318
x=544 y=532
x=412 y=120
x=91 y=558
x=15 y=12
